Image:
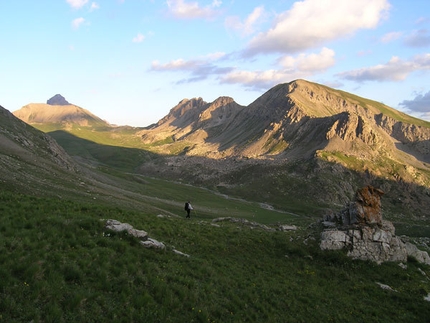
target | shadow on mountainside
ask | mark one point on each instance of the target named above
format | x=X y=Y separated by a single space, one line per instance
x=124 y=159
x=419 y=150
x=307 y=186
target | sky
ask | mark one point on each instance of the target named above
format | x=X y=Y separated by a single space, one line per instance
x=130 y=61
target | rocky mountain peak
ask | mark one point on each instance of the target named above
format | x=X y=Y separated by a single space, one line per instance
x=222 y=101
x=185 y=109
x=57 y=99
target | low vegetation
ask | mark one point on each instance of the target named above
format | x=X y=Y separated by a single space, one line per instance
x=59 y=264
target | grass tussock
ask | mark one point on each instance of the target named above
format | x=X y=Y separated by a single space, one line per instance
x=59 y=264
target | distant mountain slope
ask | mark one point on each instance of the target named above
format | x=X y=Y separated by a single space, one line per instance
x=40 y=113
x=290 y=120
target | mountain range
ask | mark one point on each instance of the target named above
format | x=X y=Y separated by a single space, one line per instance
x=293 y=120
x=300 y=143
x=259 y=177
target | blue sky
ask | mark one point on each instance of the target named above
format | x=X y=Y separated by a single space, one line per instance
x=131 y=61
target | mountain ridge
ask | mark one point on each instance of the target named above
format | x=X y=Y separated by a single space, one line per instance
x=323 y=140
x=303 y=140
x=284 y=118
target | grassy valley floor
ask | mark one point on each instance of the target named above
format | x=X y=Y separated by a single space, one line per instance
x=59 y=264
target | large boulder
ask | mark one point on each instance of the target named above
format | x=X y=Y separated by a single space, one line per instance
x=365 y=209
x=360 y=229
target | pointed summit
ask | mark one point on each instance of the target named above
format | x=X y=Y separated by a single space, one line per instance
x=57 y=99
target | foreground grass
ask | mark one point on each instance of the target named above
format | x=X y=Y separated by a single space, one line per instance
x=59 y=264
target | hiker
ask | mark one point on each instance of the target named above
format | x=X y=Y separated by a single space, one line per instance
x=188 y=208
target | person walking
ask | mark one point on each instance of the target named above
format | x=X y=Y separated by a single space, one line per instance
x=188 y=208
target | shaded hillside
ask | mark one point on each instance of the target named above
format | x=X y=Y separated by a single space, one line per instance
x=95 y=154
x=32 y=163
x=30 y=160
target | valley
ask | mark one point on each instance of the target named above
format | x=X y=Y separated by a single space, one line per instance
x=295 y=154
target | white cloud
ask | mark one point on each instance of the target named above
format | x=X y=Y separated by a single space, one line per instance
x=175 y=65
x=261 y=80
x=310 y=63
x=77 y=4
x=215 y=56
x=246 y=27
x=395 y=69
x=181 y=64
x=418 y=38
x=421 y=103
x=191 y=10
x=76 y=23
x=310 y=23
x=94 y=6
x=253 y=79
x=292 y=68
x=139 y=38
x=216 y=3
x=389 y=37
x=199 y=69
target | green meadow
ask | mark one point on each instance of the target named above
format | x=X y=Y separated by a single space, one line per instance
x=58 y=263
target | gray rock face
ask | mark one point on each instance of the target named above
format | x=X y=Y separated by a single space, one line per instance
x=419 y=255
x=117 y=226
x=152 y=243
x=57 y=99
x=360 y=229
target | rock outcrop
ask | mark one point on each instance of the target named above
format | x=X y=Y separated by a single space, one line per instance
x=57 y=99
x=117 y=226
x=145 y=241
x=360 y=229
